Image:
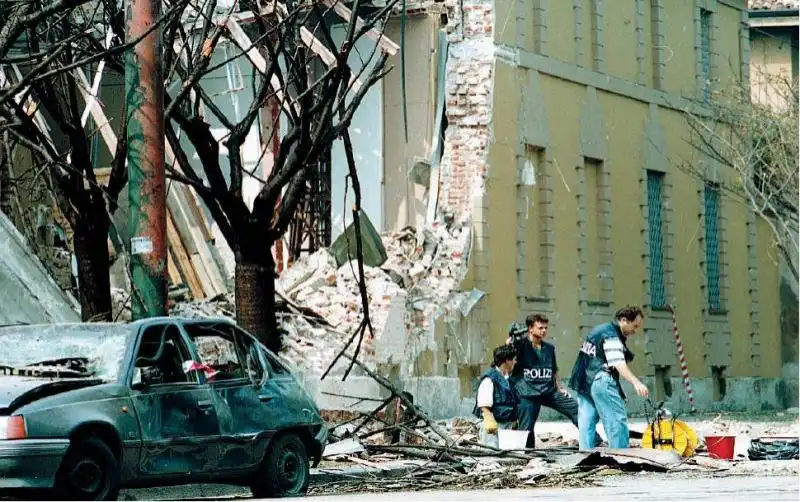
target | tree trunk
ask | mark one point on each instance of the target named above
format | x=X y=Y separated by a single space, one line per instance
x=91 y=252
x=255 y=294
x=6 y=183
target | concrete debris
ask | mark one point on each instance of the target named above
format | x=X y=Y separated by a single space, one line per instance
x=320 y=304
x=28 y=293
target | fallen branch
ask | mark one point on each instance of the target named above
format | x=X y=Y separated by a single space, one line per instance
x=400 y=395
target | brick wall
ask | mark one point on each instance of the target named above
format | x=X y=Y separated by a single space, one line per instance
x=468 y=106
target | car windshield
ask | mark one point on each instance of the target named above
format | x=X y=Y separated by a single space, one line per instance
x=76 y=350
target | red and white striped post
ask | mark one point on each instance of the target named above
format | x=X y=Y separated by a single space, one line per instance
x=682 y=358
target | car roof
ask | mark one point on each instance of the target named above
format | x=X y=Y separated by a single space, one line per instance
x=141 y=322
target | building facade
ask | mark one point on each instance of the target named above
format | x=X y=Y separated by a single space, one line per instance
x=572 y=169
x=774 y=55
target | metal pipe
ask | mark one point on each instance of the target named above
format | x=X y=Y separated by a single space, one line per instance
x=147 y=219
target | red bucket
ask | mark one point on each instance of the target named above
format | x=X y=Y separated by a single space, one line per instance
x=720 y=447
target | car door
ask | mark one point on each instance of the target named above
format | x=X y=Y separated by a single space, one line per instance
x=236 y=391
x=176 y=413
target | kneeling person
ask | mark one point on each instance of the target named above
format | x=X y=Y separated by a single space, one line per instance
x=496 y=402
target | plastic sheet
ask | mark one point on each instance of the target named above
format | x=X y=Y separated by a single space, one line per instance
x=774 y=449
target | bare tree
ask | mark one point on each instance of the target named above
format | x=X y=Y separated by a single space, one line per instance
x=758 y=140
x=318 y=102
x=318 y=91
x=56 y=45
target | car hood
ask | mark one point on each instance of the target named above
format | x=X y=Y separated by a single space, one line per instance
x=17 y=391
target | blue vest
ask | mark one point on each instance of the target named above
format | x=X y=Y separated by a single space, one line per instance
x=592 y=358
x=504 y=402
x=534 y=374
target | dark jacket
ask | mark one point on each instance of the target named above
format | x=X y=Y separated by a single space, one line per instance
x=504 y=402
x=534 y=373
x=592 y=358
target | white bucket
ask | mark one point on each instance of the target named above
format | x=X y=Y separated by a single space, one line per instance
x=509 y=439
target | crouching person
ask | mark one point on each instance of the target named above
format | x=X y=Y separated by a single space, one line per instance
x=496 y=402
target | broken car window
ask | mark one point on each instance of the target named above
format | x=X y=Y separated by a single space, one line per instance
x=75 y=350
x=163 y=365
x=217 y=350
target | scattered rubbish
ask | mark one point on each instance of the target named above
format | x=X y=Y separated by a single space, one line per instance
x=774 y=449
x=344 y=447
x=627 y=459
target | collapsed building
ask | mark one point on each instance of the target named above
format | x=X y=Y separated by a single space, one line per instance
x=520 y=133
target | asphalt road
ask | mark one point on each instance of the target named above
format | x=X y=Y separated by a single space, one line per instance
x=629 y=489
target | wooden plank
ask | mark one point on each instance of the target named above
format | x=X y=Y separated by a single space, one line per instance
x=182 y=260
x=216 y=283
x=184 y=237
x=97 y=113
x=197 y=212
x=345 y=13
x=172 y=270
x=240 y=37
x=315 y=45
x=191 y=236
x=200 y=267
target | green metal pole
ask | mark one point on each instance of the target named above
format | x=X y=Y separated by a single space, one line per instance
x=147 y=223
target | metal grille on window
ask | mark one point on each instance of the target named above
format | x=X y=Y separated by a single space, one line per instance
x=705 y=52
x=711 y=215
x=655 y=225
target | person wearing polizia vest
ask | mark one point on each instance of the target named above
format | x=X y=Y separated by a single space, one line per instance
x=496 y=402
x=535 y=377
x=603 y=358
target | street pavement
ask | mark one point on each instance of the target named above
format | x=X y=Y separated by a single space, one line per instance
x=627 y=488
x=630 y=488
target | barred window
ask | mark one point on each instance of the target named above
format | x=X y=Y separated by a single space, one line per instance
x=655 y=226
x=705 y=53
x=711 y=216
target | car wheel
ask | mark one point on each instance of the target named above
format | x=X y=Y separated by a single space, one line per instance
x=284 y=471
x=90 y=471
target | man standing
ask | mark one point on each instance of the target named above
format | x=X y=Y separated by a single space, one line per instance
x=535 y=377
x=495 y=401
x=603 y=357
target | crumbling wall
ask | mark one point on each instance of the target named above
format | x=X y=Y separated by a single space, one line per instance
x=469 y=98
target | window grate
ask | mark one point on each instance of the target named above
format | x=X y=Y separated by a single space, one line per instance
x=711 y=215
x=655 y=225
x=705 y=53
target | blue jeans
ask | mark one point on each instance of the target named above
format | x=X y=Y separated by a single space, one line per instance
x=607 y=406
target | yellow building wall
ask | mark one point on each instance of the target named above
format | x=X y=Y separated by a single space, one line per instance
x=768 y=287
x=620 y=40
x=679 y=39
x=624 y=118
x=501 y=191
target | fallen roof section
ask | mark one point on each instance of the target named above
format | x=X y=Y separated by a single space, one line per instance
x=28 y=294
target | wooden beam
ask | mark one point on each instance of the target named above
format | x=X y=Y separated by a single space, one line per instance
x=182 y=258
x=345 y=13
x=316 y=45
x=99 y=117
x=172 y=269
x=98 y=76
x=243 y=41
x=185 y=230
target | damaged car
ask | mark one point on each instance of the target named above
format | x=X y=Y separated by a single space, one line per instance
x=87 y=409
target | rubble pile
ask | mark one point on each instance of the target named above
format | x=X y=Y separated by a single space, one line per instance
x=320 y=306
x=423 y=268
